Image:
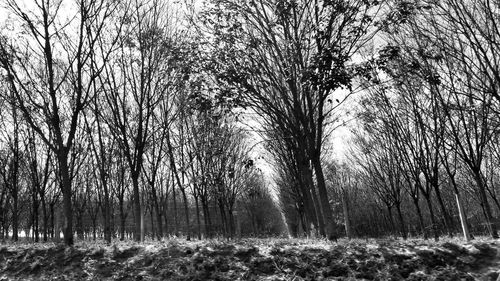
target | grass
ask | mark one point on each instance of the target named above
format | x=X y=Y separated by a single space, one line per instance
x=253 y=259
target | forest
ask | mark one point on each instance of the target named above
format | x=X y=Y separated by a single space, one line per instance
x=247 y=137
x=142 y=120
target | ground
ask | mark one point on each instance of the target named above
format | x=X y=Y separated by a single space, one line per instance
x=254 y=259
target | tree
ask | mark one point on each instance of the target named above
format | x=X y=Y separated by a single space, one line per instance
x=102 y=151
x=134 y=85
x=342 y=179
x=288 y=58
x=447 y=70
x=51 y=67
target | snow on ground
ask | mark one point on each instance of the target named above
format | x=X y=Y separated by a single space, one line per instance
x=254 y=259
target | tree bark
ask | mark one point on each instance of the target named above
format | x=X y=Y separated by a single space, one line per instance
x=107 y=216
x=176 y=220
x=447 y=218
x=420 y=218
x=325 y=204
x=401 y=221
x=45 y=218
x=57 y=227
x=142 y=230
x=123 y=218
x=197 y=204
x=492 y=228
x=310 y=200
x=347 y=215
x=391 y=220
x=433 y=218
x=67 y=193
x=157 y=210
x=186 y=211
x=15 y=216
x=137 y=206
x=463 y=217
x=79 y=224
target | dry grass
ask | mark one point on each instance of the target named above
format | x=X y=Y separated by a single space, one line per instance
x=254 y=259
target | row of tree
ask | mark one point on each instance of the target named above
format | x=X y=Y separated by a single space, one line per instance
x=427 y=121
x=430 y=117
x=113 y=107
x=140 y=104
x=289 y=61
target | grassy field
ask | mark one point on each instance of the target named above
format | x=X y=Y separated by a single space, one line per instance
x=254 y=259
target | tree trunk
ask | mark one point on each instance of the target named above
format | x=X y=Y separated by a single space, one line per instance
x=463 y=217
x=94 y=228
x=45 y=218
x=232 y=225
x=304 y=223
x=159 y=222
x=325 y=204
x=2 y=219
x=176 y=220
x=137 y=206
x=300 y=225
x=15 y=216
x=306 y=186
x=420 y=218
x=391 y=221
x=15 y=178
x=122 y=219
x=347 y=215
x=107 y=216
x=433 y=217
x=35 y=215
x=79 y=224
x=57 y=227
x=206 y=216
x=311 y=204
x=154 y=231
x=447 y=218
x=495 y=199
x=159 y=219
x=67 y=193
x=142 y=230
x=197 y=204
x=52 y=220
x=5 y=230
x=238 y=223
x=223 y=219
x=401 y=221
x=492 y=228
x=320 y=225
x=165 y=215
x=186 y=211
x=461 y=212
x=112 y=219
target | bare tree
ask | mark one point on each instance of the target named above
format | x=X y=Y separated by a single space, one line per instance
x=289 y=57
x=50 y=68
x=135 y=84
